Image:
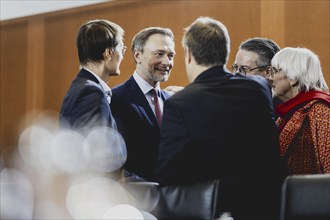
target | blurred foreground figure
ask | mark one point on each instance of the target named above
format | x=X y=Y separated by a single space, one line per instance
x=221 y=127
x=304 y=123
x=61 y=174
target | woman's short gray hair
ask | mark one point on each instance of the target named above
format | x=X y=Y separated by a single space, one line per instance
x=302 y=65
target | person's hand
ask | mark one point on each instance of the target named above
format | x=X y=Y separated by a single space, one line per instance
x=173 y=89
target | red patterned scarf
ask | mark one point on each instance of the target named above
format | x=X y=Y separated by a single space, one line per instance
x=286 y=109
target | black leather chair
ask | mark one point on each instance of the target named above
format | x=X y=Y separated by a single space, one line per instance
x=306 y=197
x=191 y=202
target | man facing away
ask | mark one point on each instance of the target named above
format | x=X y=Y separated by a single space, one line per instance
x=221 y=127
x=138 y=103
x=100 y=49
x=254 y=58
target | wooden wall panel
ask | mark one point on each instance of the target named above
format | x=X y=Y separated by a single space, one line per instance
x=13 y=49
x=61 y=53
x=179 y=14
x=272 y=21
x=35 y=64
x=62 y=61
x=39 y=58
x=308 y=25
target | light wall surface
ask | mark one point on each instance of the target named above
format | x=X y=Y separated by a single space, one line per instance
x=11 y=9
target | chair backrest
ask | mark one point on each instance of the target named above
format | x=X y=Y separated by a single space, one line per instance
x=306 y=197
x=191 y=202
x=145 y=195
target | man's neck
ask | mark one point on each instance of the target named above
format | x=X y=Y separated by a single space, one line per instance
x=98 y=70
x=197 y=70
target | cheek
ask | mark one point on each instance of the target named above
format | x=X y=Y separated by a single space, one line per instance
x=152 y=65
x=281 y=85
x=118 y=62
x=153 y=61
x=278 y=79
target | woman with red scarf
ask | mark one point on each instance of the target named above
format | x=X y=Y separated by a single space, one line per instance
x=304 y=122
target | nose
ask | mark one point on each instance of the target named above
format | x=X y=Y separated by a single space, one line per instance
x=166 y=60
x=167 y=63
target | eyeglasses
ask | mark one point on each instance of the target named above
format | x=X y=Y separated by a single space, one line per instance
x=244 y=69
x=123 y=50
x=274 y=70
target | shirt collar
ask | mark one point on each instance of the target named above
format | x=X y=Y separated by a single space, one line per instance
x=104 y=86
x=144 y=85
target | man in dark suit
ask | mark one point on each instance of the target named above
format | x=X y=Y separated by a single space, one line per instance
x=87 y=102
x=221 y=127
x=133 y=103
x=254 y=58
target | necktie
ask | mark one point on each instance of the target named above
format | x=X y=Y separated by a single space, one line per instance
x=158 y=111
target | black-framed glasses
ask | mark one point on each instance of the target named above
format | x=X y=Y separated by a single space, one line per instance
x=274 y=70
x=244 y=69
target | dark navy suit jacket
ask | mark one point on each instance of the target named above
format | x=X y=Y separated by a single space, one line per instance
x=139 y=127
x=221 y=126
x=85 y=104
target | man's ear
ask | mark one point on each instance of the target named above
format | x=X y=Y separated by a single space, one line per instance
x=137 y=56
x=268 y=70
x=107 y=54
x=188 y=54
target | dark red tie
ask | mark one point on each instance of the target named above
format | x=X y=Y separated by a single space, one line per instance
x=157 y=106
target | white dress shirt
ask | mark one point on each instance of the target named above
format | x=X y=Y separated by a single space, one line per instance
x=104 y=86
x=145 y=88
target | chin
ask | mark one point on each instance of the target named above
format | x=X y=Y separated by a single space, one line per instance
x=163 y=79
x=114 y=74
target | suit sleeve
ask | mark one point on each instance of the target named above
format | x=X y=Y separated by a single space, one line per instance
x=265 y=89
x=173 y=141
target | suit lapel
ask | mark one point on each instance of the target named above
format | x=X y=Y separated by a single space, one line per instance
x=141 y=102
